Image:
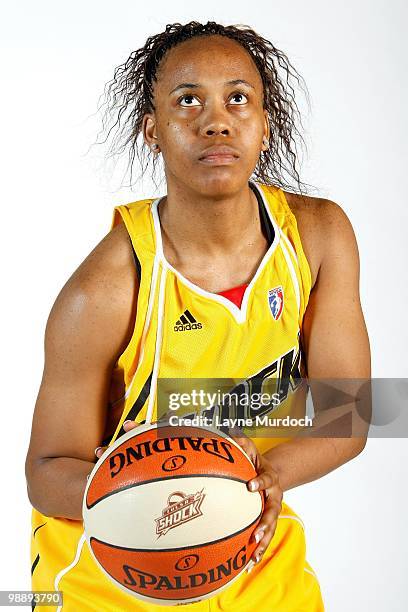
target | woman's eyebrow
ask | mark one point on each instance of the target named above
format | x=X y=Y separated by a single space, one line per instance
x=186 y=86
x=198 y=85
x=239 y=82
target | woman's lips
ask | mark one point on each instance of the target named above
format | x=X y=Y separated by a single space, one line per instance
x=218 y=159
x=219 y=155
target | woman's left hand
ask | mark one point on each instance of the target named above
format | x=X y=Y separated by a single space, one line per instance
x=267 y=480
x=127 y=426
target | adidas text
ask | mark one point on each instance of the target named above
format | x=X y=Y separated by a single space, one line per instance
x=187 y=326
x=187 y=322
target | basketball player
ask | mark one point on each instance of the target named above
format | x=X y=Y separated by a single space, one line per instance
x=271 y=276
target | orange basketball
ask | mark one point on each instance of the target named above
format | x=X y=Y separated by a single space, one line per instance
x=167 y=513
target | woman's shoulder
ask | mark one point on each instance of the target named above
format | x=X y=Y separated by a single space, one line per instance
x=312 y=206
x=101 y=294
x=319 y=222
x=108 y=265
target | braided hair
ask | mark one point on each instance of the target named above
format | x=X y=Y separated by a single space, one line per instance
x=129 y=95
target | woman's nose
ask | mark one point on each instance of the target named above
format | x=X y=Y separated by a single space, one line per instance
x=216 y=121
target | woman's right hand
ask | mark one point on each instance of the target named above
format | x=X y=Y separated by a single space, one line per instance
x=127 y=426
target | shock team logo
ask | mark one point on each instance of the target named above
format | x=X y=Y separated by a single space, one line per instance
x=177 y=512
x=275 y=299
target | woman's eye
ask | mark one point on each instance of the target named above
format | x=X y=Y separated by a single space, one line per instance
x=189 y=100
x=239 y=98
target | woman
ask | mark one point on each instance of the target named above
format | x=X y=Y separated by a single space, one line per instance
x=267 y=273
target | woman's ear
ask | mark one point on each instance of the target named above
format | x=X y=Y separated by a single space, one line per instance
x=149 y=132
x=267 y=133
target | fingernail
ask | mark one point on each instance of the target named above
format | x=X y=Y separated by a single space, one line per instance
x=250 y=567
x=258 y=536
x=97 y=449
x=253 y=485
x=128 y=421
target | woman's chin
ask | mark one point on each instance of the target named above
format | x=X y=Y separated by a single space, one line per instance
x=218 y=182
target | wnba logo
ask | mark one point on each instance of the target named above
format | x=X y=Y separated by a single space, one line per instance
x=275 y=299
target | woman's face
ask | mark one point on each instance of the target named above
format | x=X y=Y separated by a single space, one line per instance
x=208 y=95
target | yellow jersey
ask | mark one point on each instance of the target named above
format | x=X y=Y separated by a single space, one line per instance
x=184 y=335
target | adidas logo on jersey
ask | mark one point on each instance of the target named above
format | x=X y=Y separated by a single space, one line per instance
x=187 y=322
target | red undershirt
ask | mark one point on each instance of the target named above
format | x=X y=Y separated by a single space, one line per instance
x=235 y=294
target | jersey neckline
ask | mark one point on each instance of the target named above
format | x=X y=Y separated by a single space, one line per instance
x=239 y=313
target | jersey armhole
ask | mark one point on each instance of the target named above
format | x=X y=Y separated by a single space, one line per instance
x=136 y=260
x=116 y=220
x=121 y=215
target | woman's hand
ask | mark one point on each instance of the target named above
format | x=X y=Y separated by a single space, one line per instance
x=127 y=426
x=267 y=480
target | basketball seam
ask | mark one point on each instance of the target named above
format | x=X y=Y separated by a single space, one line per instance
x=190 y=546
x=143 y=482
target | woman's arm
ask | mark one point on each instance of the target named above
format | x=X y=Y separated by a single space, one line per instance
x=89 y=326
x=336 y=347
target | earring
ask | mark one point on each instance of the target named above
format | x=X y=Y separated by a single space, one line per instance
x=154 y=146
x=265 y=142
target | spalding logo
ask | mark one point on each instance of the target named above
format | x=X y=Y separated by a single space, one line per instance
x=184 y=509
x=187 y=562
x=173 y=463
x=153 y=582
x=145 y=449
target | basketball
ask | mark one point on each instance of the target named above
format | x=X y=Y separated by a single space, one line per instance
x=167 y=513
